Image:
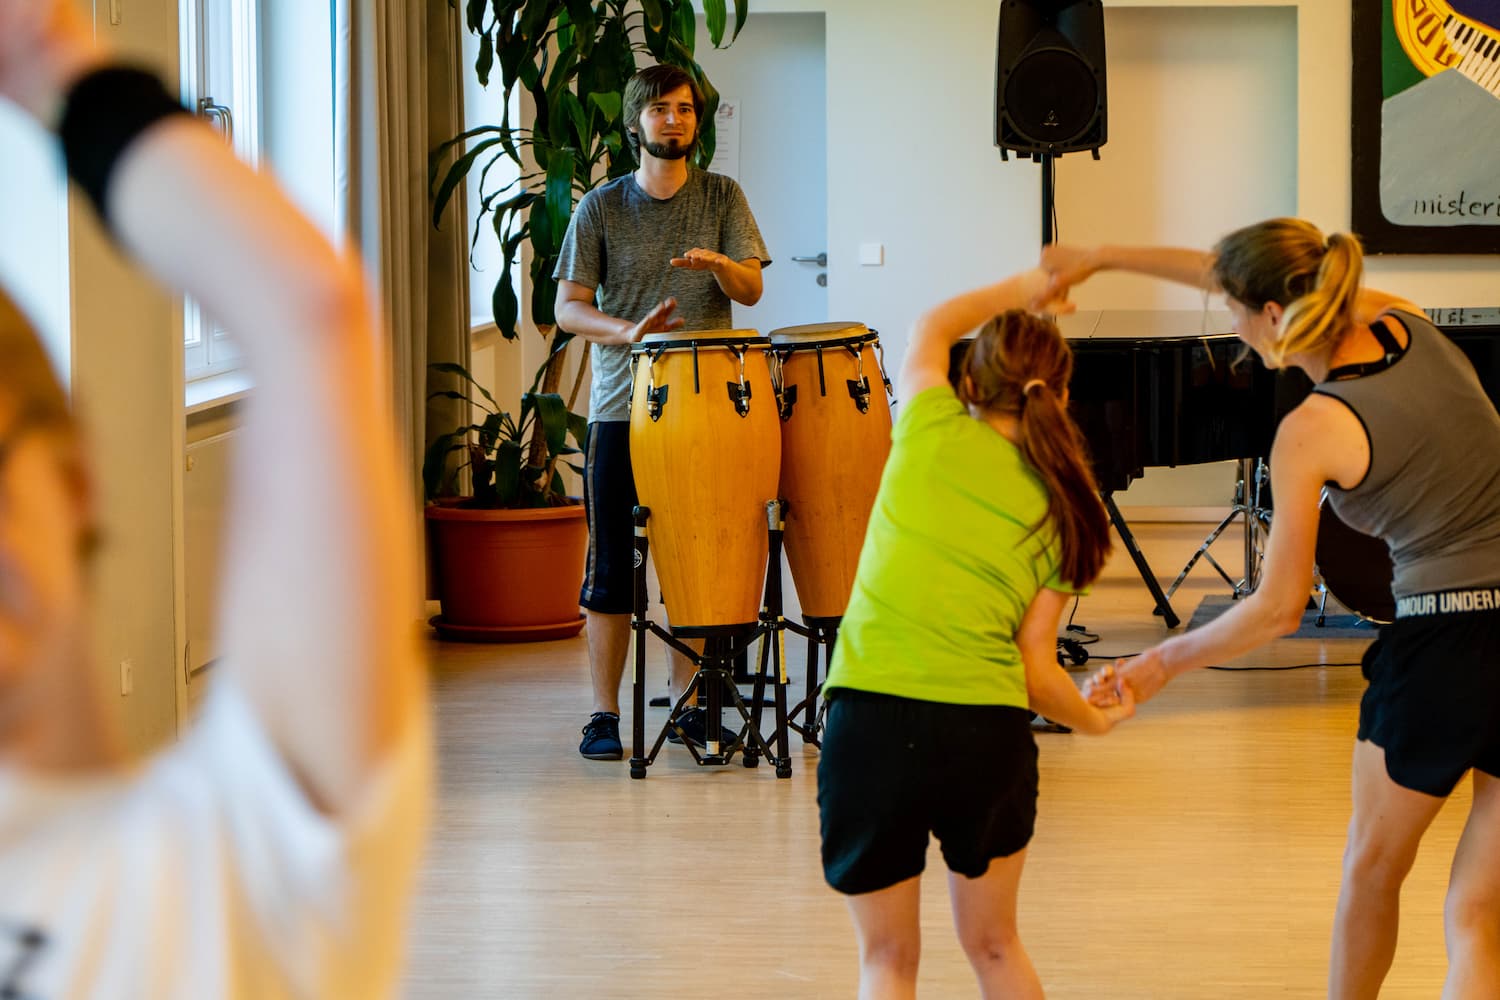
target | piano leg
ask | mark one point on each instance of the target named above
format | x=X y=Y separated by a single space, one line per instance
x=1163 y=606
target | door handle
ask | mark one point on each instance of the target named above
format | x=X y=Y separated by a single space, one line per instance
x=821 y=259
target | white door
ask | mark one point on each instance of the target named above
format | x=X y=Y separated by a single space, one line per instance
x=773 y=77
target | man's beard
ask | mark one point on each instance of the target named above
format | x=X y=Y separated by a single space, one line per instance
x=670 y=151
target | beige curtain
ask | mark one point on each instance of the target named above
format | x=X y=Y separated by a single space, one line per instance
x=399 y=94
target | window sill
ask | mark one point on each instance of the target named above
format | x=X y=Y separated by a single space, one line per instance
x=216 y=391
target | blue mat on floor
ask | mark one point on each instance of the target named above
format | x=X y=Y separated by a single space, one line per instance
x=1335 y=626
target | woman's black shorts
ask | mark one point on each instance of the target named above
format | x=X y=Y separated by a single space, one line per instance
x=1433 y=704
x=895 y=769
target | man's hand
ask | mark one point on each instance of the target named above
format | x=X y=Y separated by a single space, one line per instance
x=658 y=320
x=45 y=45
x=698 y=259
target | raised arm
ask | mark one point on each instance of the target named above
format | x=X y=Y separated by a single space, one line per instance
x=1320 y=441
x=938 y=329
x=320 y=598
x=1071 y=265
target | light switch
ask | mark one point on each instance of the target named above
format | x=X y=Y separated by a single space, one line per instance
x=872 y=254
x=114 y=11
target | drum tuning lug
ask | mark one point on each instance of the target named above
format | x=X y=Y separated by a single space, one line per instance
x=786 y=401
x=739 y=394
x=657 y=398
x=859 y=390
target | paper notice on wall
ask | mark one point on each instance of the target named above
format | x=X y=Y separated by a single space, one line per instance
x=727 y=131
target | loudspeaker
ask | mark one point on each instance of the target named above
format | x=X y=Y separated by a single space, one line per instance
x=1049 y=76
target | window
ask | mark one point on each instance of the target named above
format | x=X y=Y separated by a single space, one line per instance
x=220 y=78
x=483 y=106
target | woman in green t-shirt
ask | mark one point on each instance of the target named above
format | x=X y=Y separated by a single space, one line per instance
x=986 y=523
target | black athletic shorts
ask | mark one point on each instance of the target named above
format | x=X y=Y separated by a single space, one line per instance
x=609 y=503
x=1433 y=704
x=894 y=770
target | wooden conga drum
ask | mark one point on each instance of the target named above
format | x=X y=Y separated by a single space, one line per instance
x=835 y=436
x=705 y=451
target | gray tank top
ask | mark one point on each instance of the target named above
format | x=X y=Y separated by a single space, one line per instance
x=1432 y=491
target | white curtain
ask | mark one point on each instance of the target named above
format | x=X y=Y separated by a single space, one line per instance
x=398 y=94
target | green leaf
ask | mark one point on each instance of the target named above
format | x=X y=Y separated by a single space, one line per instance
x=716 y=16
x=609 y=104
x=553 y=414
x=455 y=177
x=741 y=11
x=449 y=368
x=655 y=20
x=508 y=458
x=578 y=426
x=685 y=26
x=489 y=432
x=506 y=308
x=474 y=15
x=485 y=60
x=435 y=461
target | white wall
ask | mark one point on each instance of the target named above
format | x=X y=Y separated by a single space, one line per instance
x=911 y=164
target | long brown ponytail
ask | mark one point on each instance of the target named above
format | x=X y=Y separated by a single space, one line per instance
x=1020 y=365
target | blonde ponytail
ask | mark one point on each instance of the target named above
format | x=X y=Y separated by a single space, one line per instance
x=1287 y=261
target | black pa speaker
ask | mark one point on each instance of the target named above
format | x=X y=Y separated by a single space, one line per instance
x=1049 y=77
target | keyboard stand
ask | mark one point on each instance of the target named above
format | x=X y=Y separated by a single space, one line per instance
x=1163 y=605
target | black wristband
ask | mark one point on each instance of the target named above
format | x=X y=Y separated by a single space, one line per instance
x=104 y=113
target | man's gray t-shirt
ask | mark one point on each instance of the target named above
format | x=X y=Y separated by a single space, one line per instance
x=621 y=241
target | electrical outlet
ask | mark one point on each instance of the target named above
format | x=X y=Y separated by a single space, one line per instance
x=114 y=11
x=127 y=676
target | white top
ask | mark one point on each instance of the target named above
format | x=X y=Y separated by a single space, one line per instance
x=207 y=874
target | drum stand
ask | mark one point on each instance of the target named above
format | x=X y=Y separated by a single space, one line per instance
x=821 y=634
x=715 y=674
x=1247 y=504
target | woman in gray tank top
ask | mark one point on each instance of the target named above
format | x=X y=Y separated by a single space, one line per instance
x=1408 y=445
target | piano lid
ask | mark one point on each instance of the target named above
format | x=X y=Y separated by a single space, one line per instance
x=1117 y=325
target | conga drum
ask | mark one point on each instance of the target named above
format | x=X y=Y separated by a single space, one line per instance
x=835 y=436
x=705 y=453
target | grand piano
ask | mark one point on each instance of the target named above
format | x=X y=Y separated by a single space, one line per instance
x=1162 y=388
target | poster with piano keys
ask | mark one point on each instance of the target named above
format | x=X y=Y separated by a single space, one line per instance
x=1426 y=122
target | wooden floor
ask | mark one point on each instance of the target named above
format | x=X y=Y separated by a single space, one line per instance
x=1193 y=853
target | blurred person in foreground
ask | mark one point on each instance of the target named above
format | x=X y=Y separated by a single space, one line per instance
x=271 y=852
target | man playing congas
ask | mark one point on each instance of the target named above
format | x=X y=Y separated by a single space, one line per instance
x=638 y=258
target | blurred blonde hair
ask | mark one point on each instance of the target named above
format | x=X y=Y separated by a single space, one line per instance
x=1289 y=262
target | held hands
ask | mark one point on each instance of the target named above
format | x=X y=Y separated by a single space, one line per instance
x=658 y=320
x=1114 y=700
x=1065 y=266
x=698 y=259
x=1039 y=295
x=1135 y=680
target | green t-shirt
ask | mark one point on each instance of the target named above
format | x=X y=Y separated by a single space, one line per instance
x=949 y=566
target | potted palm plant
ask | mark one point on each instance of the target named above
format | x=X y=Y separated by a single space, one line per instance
x=572 y=58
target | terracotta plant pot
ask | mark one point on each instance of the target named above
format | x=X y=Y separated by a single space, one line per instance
x=507 y=575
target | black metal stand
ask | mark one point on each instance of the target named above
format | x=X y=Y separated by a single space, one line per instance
x=821 y=634
x=1247 y=504
x=1163 y=606
x=714 y=677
